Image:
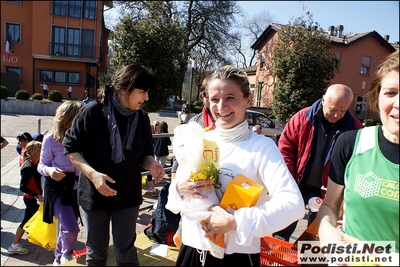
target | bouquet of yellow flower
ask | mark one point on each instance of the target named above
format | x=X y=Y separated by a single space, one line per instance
x=205 y=173
x=199 y=158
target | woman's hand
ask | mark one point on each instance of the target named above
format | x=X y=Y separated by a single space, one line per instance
x=99 y=181
x=40 y=198
x=219 y=222
x=331 y=234
x=55 y=173
x=157 y=171
x=327 y=232
x=194 y=189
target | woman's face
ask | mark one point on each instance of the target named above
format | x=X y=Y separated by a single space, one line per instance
x=23 y=143
x=135 y=99
x=389 y=106
x=227 y=104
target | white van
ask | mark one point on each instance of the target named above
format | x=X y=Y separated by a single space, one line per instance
x=270 y=128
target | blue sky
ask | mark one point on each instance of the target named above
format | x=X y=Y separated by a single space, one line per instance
x=355 y=16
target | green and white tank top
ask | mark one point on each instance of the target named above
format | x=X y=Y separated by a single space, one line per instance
x=371 y=195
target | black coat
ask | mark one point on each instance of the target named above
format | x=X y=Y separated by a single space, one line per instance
x=52 y=189
x=161 y=145
x=89 y=135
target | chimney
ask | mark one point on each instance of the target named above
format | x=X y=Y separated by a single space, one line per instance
x=339 y=30
x=331 y=30
x=386 y=38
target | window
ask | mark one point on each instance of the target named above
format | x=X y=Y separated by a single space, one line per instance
x=249 y=118
x=73 y=42
x=361 y=106
x=262 y=64
x=60 y=8
x=336 y=60
x=73 y=78
x=59 y=41
x=45 y=76
x=89 y=9
x=14 y=1
x=87 y=43
x=15 y=32
x=60 y=77
x=259 y=94
x=252 y=86
x=16 y=70
x=75 y=9
x=366 y=63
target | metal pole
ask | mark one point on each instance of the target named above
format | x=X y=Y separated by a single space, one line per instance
x=39 y=122
x=191 y=84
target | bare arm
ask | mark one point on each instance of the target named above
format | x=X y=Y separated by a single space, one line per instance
x=98 y=179
x=4 y=143
x=328 y=215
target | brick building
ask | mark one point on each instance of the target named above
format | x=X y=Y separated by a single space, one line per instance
x=357 y=57
x=62 y=43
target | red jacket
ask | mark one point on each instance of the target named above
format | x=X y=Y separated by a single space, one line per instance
x=30 y=182
x=297 y=136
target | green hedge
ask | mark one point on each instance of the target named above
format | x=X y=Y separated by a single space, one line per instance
x=37 y=96
x=55 y=96
x=197 y=109
x=4 y=92
x=22 y=95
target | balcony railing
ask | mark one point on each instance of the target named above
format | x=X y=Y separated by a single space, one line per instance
x=75 y=11
x=70 y=50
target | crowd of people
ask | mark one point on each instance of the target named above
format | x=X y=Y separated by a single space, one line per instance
x=88 y=169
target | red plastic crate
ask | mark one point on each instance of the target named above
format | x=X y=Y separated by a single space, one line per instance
x=276 y=252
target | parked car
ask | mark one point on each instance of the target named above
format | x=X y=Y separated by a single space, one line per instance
x=270 y=128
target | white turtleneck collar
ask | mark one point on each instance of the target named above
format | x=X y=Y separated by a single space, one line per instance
x=240 y=132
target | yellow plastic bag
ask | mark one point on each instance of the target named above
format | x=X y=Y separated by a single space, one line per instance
x=41 y=233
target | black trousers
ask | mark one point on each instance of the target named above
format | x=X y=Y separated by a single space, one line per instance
x=189 y=256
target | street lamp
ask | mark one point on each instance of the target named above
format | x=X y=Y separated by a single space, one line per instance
x=193 y=56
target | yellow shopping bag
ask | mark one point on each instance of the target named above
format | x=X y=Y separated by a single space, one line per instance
x=41 y=233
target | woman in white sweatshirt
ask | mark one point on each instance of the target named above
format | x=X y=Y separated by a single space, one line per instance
x=241 y=152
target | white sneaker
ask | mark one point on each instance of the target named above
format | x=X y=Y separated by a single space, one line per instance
x=155 y=193
x=19 y=249
x=55 y=262
x=65 y=258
